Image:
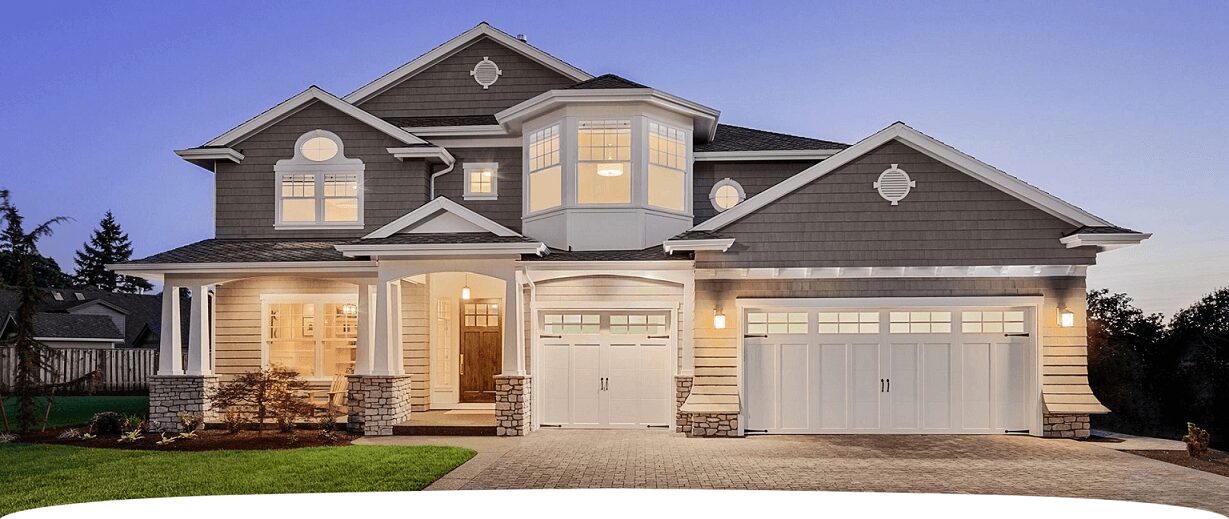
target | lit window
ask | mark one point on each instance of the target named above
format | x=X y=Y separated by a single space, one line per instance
x=667 y=167
x=296 y=342
x=992 y=322
x=480 y=179
x=319 y=185
x=763 y=323
x=726 y=194
x=298 y=198
x=557 y=324
x=604 y=162
x=545 y=174
x=638 y=324
x=848 y=322
x=319 y=149
x=920 y=322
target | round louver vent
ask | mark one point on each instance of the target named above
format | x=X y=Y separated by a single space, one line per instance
x=486 y=72
x=894 y=184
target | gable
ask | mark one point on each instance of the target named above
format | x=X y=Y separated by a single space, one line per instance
x=446 y=88
x=949 y=219
x=441 y=216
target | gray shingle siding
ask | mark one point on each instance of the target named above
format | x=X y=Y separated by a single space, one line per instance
x=752 y=176
x=446 y=88
x=245 y=192
x=506 y=208
x=950 y=218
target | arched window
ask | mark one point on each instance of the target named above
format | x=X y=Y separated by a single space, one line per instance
x=319 y=187
x=726 y=194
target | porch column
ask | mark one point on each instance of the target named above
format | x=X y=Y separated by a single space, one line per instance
x=386 y=353
x=514 y=340
x=199 y=334
x=362 y=359
x=170 y=359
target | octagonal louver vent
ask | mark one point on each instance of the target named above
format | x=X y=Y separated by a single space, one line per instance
x=894 y=184
x=486 y=72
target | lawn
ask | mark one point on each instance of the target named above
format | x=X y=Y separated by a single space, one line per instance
x=45 y=475
x=77 y=410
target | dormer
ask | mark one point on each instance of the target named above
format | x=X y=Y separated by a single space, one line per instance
x=607 y=163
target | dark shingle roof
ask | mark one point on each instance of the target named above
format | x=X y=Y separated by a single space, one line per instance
x=700 y=235
x=1106 y=229
x=606 y=81
x=248 y=250
x=738 y=138
x=442 y=239
x=141 y=311
x=444 y=120
x=649 y=254
x=78 y=326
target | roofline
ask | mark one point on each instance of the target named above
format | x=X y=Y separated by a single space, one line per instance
x=440 y=204
x=203 y=156
x=158 y=269
x=421 y=152
x=297 y=102
x=79 y=339
x=925 y=144
x=408 y=70
x=654 y=264
x=471 y=130
x=545 y=101
x=763 y=155
x=443 y=249
x=1106 y=241
x=99 y=302
x=709 y=244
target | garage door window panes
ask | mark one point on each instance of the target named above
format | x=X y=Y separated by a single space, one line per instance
x=764 y=323
x=920 y=322
x=572 y=323
x=621 y=324
x=992 y=322
x=849 y=322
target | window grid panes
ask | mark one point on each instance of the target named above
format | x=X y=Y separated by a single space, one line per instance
x=920 y=322
x=848 y=322
x=623 y=324
x=604 y=150
x=481 y=181
x=992 y=322
x=667 y=167
x=314 y=345
x=545 y=173
x=726 y=197
x=481 y=314
x=765 y=323
x=571 y=323
x=299 y=198
x=341 y=197
x=319 y=149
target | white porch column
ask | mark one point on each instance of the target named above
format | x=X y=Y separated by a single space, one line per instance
x=170 y=360
x=514 y=340
x=366 y=339
x=199 y=334
x=688 y=328
x=386 y=353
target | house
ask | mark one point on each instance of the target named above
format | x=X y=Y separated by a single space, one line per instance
x=488 y=227
x=85 y=318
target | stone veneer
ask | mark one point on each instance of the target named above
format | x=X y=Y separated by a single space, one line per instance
x=376 y=403
x=713 y=424
x=682 y=389
x=512 y=404
x=1065 y=426
x=170 y=395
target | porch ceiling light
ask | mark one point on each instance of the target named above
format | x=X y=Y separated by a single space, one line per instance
x=465 y=289
x=719 y=320
x=349 y=309
x=610 y=170
x=1066 y=318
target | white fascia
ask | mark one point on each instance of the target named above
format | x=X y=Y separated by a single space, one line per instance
x=157 y=270
x=1105 y=241
x=423 y=152
x=732 y=156
x=997 y=271
x=437 y=249
x=203 y=156
x=705 y=118
x=713 y=244
x=429 y=209
x=476 y=130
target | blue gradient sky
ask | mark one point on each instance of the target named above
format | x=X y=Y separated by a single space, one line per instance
x=1118 y=107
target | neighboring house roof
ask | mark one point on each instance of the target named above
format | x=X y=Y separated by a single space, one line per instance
x=75 y=326
x=142 y=312
x=738 y=138
x=607 y=81
x=247 y=251
x=649 y=254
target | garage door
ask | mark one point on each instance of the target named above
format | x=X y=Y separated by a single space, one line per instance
x=906 y=371
x=606 y=369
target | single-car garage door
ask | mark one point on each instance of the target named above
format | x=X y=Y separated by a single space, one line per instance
x=883 y=370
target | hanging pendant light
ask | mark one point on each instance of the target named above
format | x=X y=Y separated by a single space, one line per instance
x=465 y=289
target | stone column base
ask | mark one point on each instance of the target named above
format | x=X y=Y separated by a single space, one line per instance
x=705 y=425
x=512 y=404
x=682 y=390
x=170 y=395
x=1065 y=426
x=376 y=403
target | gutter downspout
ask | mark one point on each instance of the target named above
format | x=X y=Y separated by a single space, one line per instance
x=452 y=163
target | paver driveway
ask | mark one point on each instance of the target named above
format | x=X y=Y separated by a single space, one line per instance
x=951 y=464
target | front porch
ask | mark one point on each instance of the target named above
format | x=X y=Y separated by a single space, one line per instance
x=450 y=422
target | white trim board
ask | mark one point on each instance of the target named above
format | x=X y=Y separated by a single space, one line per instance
x=444 y=249
x=429 y=209
x=425 y=61
x=763 y=155
x=423 y=152
x=202 y=156
x=704 y=118
x=714 y=244
x=1005 y=271
x=476 y=130
x=889 y=302
x=1106 y=241
x=928 y=145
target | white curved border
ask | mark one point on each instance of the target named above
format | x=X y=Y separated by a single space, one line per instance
x=712 y=193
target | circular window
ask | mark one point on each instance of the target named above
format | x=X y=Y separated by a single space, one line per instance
x=319 y=149
x=726 y=194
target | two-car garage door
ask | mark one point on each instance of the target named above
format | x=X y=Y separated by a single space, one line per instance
x=876 y=370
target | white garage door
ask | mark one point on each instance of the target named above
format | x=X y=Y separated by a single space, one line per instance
x=906 y=371
x=606 y=369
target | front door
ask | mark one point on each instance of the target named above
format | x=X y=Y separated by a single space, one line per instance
x=481 y=349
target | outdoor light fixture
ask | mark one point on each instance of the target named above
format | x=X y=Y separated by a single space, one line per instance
x=719 y=320
x=465 y=289
x=1066 y=318
x=610 y=170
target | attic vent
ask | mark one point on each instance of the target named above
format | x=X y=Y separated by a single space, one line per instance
x=486 y=72
x=894 y=184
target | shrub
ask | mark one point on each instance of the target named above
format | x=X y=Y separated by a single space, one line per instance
x=132 y=423
x=7 y=438
x=233 y=420
x=131 y=436
x=189 y=422
x=1196 y=440
x=273 y=392
x=167 y=440
x=69 y=434
x=106 y=423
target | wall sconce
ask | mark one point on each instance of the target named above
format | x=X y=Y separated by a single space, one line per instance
x=1066 y=318
x=718 y=320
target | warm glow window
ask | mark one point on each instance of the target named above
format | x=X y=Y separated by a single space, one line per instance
x=480 y=180
x=316 y=338
x=667 y=167
x=604 y=155
x=319 y=186
x=545 y=173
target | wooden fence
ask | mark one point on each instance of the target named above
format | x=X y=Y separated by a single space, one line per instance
x=123 y=370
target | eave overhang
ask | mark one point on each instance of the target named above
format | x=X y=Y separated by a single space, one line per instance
x=206 y=157
x=704 y=118
x=758 y=155
x=712 y=244
x=431 y=153
x=1104 y=241
x=445 y=249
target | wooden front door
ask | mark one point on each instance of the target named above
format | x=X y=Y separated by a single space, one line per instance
x=481 y=348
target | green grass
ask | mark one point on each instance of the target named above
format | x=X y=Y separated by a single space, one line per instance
x=77 y=410
x=44 y=475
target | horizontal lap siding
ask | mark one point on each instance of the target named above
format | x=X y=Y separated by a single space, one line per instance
x=948 y=219
x=416 y=343
x=446 y=88
x=506 y=209
x=754 y=177
x=245 y=192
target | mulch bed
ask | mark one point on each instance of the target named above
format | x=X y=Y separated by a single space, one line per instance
x=1217 y=462
x=206 y=440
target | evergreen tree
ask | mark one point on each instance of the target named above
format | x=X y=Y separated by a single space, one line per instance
x=109 y=244
x=13 y=250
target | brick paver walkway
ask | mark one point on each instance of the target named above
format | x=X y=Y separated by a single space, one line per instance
x=952 y=464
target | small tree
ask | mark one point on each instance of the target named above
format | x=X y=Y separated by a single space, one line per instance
x=273 y=392
x=108 y=245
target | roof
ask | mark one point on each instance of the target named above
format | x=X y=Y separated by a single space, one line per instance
x=1102 y=229
x=75 y=326
x=650 y=254
x=606 y=81
x=247 y=251
x=739 y=138
x=442 y=239
x=141 y=311
x=700 y=235
x=443 y=120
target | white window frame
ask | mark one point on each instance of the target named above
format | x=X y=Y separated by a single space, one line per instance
x=631 y=161
x=469 y=167
x=318 y=300
x=527 y=184
x=712 y=193
x=300 y=165
x=682 y=169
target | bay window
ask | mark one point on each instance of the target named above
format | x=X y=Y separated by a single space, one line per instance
x=319 y=186
x=667 y=167
x=545 y=172
x=604 y=162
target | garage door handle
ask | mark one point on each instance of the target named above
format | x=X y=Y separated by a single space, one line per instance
x=881 y=386
x=889 y=385
x=1015 y=335
x=659 y=337
x=755 y=336
x=550 y=336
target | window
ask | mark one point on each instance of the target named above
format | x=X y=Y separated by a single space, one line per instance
x=319 y=186
x=481 y=314
x=667 y=167
x=849 y=322
x=726 y=194
x=557 y=324
x=992 y=322
x=317 y=338
x=763 y=323
x=622 y=324
x=604 y=162
x=545 y=174
x=480 y=180
x=920 y=322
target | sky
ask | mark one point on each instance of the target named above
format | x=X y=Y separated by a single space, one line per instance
x=1117 y=107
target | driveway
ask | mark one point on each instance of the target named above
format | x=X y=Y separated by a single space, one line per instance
x=950 y=464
